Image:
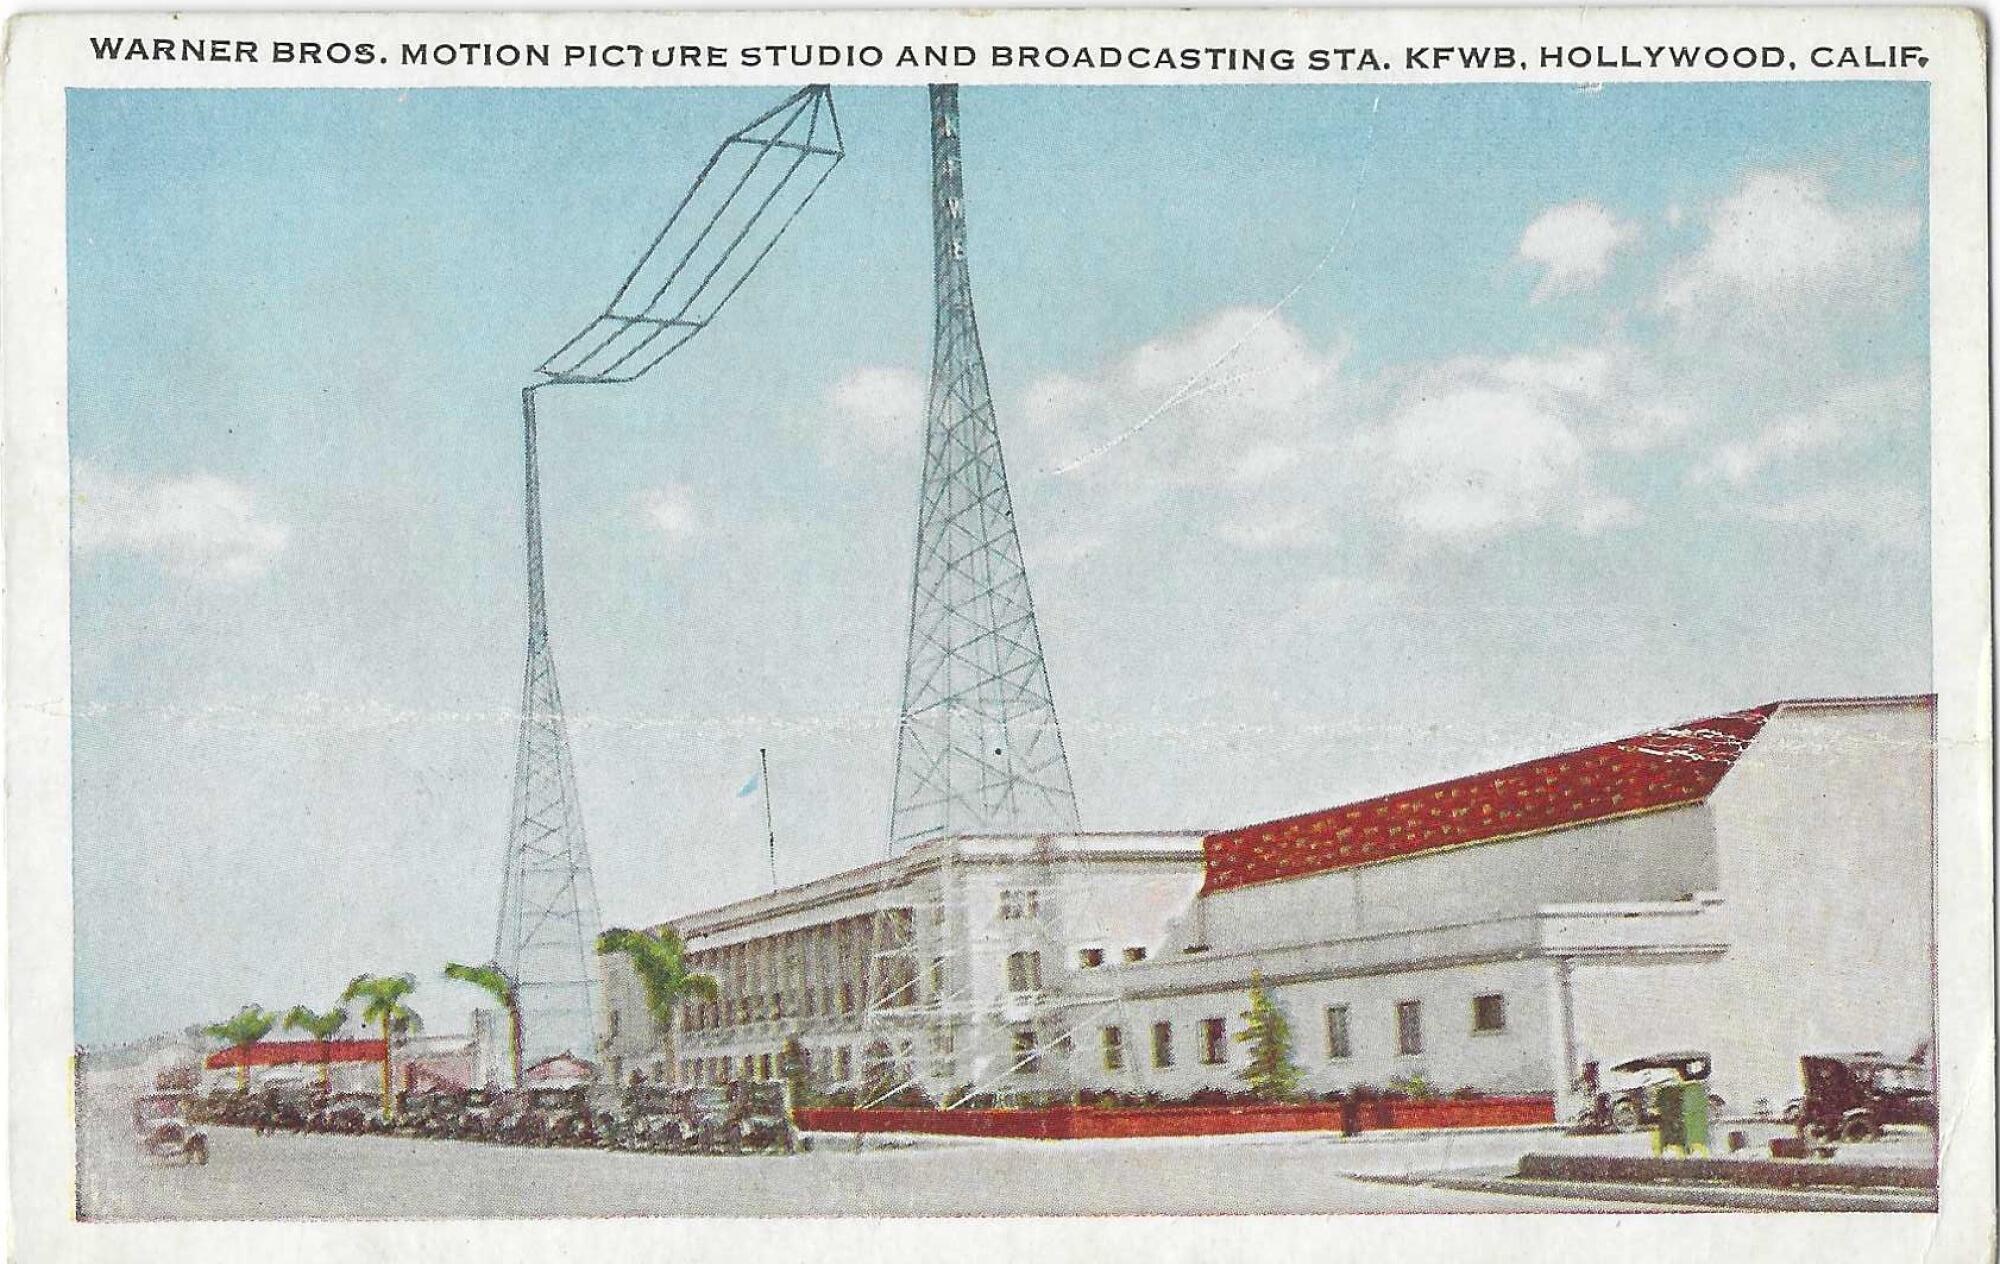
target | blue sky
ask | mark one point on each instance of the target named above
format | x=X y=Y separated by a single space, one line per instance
x=1496 y=419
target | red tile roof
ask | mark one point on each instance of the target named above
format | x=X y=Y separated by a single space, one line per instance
x=284 y=1052
x=1665 y=768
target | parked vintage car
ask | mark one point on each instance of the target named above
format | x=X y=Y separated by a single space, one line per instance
x=1853 y=1097
x=1629 y=1103
x=763 y=1117
x=345 y=1113
x=436 y=1113
x=161 y=1125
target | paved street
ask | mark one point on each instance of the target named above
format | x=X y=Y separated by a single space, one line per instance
x=290 y=1175
x=296 y=1175
x=324 y=1176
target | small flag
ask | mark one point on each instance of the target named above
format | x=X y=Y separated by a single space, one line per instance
x=750 y=786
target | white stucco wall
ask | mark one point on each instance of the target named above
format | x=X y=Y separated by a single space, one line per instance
x=1825 y=875
x=1653 y=856
x=1516 y=1059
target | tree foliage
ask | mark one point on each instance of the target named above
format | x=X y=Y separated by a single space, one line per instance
x=659 y=958
x=503 y=989
x=383 y=1006
x=1272 y=1074
x=320 y=1027
x=246 y=1026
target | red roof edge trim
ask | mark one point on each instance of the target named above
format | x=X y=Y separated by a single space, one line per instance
x=1668 y=767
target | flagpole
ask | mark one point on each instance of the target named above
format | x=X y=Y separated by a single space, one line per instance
x=770 y=831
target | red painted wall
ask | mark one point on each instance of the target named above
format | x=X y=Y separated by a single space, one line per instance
x=286 y=1052
x=1068 y=1122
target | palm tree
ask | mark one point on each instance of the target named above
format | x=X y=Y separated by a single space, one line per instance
x=659 y=958
x=384 y=995
x=501 y=987
x=242 y=1029
x=320 y=1027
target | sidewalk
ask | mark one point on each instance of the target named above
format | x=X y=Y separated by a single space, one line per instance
x=1719 y=1197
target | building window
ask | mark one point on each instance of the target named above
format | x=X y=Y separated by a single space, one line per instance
x=1163 y=1044
x=1114 y=1048
x=1214 y=1041
x=843 y=1062
x=1024 y=971
x=1409 y=1027
x=847 y=998
x=1134 y=955
x=764 y=1066
x=937 y=978
x=1091 y=958
x=1489 y=1012
x=1027 y=1058
x=1015 y=905
x=1339 y=1043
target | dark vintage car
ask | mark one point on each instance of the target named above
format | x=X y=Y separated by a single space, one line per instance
x=437 y=1113
x=567 y=1118
x=160 y=1122
x=1853 y=1097
x=1631 y=1102
x=765 y=1117
x=345 y=1113
x=486 y=1115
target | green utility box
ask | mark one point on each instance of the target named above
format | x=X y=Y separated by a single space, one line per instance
x=1683 y=1112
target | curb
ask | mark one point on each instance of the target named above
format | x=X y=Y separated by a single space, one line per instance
x=1713 y=1197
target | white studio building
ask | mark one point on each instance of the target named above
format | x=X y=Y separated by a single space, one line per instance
x=961 y=956
x=1757 y=885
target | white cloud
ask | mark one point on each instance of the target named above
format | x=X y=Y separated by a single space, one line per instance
x=201 y=526
x=1230 y=394
x=1895 y=515
x=1849 y=413
x=1280 y=448
x=1573 y=244
x=1469 y=455
x=671 y=513
x=1778 y=249
x=1261 y=527
x=882 y=406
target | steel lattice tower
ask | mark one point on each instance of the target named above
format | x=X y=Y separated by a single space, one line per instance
x=753 y=187
x=977 y=749
x=548 y=902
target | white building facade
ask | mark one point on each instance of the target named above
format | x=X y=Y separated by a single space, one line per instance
x=956 y=962
x=1758 y=885
x=1778 y=902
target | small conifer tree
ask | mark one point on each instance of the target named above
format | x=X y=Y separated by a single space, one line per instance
x=1271 y=1074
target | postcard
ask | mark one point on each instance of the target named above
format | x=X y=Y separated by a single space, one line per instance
x=1216 y=634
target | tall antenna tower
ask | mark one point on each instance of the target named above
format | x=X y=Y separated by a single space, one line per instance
x=977 y=749
x=753 y=187
x=548 y=900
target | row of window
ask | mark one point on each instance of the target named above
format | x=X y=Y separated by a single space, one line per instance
x=1024 y=968
x=1091 y=958
x=814 y=1002
x=1489 y=1014
x=835 y=1064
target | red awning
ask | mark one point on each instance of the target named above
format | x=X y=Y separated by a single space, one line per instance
x=287 y=1052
